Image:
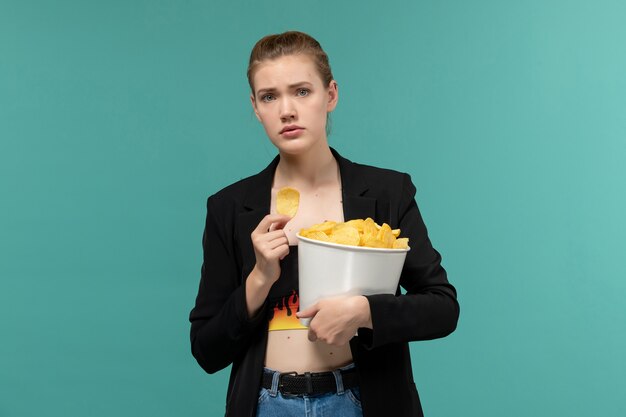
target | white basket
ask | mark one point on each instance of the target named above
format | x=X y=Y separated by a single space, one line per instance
x=329 y=269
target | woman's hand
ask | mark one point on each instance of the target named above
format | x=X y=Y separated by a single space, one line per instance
x=270 y=246
x=337 y=319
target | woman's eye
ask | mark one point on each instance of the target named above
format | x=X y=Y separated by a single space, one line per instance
x=302 y=92
x=267 y=97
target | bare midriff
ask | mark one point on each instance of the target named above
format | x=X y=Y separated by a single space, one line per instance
x=291 y=350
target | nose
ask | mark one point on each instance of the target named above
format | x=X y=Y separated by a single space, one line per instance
x=287 y=109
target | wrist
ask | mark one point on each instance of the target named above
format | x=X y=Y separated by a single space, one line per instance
x=365 y=313
x=256 y=292
x=259 y=280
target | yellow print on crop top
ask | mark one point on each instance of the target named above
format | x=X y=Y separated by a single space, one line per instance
x=284 y=313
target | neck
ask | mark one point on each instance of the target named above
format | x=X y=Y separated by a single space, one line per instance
x=313 y=168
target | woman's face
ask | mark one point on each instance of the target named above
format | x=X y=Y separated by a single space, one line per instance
x=292 y=102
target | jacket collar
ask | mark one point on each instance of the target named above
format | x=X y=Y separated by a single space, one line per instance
x=355 y=204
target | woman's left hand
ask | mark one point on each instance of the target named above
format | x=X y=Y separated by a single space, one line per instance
x=336 y=320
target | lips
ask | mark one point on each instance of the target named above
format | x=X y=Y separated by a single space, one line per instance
x=290 y=128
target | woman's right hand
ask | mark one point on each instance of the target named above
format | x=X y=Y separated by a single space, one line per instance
x=270 y=247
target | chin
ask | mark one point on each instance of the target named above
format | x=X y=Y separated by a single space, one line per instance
x=293 y=146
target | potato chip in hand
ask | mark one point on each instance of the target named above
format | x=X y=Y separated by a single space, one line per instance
x=287 y=201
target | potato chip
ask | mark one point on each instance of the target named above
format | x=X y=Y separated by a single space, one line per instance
x=316 y=234
x=325 y=227
x=347 y=235
x=373 y=242
x=401 y=243
x=358 y=223
x=385 y=235
x=370 y=227
x=287 y=201
x=357 y=232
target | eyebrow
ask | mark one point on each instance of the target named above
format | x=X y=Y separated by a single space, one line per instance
x=290 y=86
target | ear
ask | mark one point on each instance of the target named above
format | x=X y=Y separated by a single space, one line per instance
x=256 y=112
x=333 y=96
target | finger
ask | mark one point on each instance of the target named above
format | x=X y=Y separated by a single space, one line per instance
x=279 y=225
x=269 y=241
x=276 y=243
x=281 y=251
x=280 y=221
x=278 y=234
x=308 y=312
x=312 y=336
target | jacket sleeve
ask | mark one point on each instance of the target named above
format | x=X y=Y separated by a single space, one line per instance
x=429 y=309
x=220 y=326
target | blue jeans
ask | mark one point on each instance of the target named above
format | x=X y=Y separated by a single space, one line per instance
x=344 y=403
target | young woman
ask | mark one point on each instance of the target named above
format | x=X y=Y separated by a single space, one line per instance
x=245 y=311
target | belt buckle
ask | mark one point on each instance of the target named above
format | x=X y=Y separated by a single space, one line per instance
x=309 y=383
x=281 y=386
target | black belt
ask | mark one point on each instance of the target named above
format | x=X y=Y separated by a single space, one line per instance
x=311 y=383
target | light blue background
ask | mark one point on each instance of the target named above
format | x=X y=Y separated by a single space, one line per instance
x=119 y=118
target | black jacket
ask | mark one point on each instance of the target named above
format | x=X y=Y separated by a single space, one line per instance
x=223 y=334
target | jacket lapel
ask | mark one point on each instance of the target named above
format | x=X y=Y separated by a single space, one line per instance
x=355 y=204
x=256 y=205
x=353 y=188
x=256 y=202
